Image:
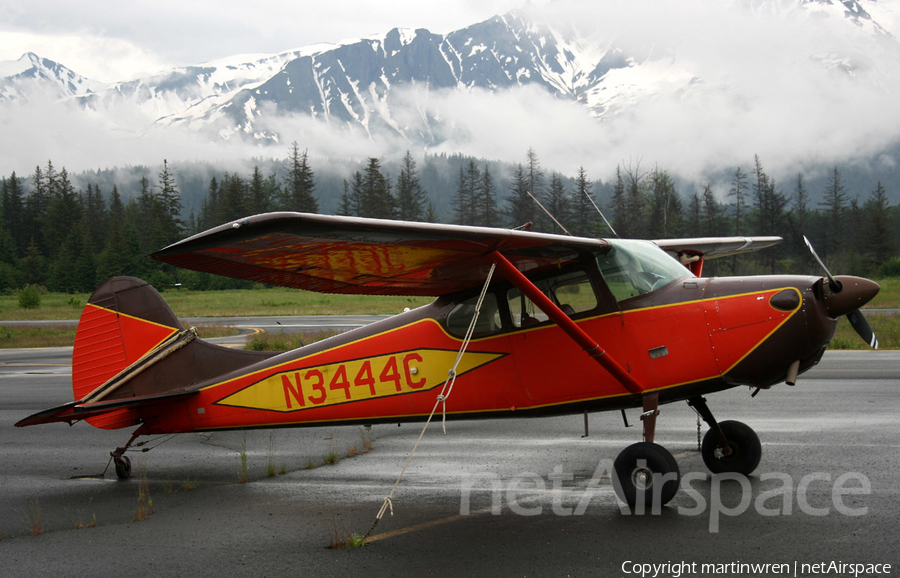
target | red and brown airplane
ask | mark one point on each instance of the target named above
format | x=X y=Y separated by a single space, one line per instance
x=558 y=325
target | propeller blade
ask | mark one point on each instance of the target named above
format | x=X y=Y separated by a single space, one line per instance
x=859 y=323
x=835 y=285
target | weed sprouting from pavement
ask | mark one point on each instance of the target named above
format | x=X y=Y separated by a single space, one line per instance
x=367 y=441
x=81 y=525
x=145 y=501
x=270 y=457
x=339 y=536
x=33 y=516
x=242 y=475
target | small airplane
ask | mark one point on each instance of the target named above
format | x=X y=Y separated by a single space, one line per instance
x=549 y=325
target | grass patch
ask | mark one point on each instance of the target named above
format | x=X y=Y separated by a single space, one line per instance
x=208 y=331
x=886 y=328
x=282 y=341
x=63 y=335
x=80 y=524
x=242 y=474
x=189 y=484
x=145 y=501
x=232 y=303
x=21 y=336
x=340 y=537
x=33 y=517
x=270 y=457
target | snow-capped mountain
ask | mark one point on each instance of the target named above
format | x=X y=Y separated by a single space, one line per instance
x=381 y=84
x=20 y=78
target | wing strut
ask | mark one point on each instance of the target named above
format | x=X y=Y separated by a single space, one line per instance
x=571 y=328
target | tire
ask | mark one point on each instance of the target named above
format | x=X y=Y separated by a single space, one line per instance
x=746 y=449
x=639 y=472
x=123 y=467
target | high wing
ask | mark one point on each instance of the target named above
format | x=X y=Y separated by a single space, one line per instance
x=714 y=247
x=332 y=254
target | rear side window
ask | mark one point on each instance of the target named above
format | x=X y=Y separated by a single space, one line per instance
x=460 y=317
x=571 y=292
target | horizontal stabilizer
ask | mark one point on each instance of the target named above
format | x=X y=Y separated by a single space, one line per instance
x=76 y=411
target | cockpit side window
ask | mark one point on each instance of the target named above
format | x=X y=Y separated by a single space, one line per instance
x=489 y=319
x=572 y=292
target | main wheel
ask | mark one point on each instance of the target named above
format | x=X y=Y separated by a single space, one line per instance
x=645 y=474
x=123 y=467
x=746 y=450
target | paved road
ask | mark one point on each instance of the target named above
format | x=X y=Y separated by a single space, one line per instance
x=837 y=432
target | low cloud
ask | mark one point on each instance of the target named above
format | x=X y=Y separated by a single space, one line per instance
x=801 y=91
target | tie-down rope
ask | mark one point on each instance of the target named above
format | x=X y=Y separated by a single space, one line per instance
x=441 y=400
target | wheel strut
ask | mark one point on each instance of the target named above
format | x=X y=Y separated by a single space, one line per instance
x=121 y=461
x=650 y=403
x=699 y=405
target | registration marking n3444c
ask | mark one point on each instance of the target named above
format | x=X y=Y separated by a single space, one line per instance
x=354 y=380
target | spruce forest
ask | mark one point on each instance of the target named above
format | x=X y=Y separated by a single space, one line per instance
x=69 y=239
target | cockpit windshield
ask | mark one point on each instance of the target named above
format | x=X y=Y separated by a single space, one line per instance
x=633 y=267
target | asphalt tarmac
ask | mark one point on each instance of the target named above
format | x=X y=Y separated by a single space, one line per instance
x=489 y=498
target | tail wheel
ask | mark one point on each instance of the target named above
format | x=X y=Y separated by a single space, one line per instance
x=746 y=449
x=646 y=473
x=123 y=466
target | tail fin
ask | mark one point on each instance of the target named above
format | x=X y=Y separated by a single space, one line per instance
x=123 y=320
x=130 y=351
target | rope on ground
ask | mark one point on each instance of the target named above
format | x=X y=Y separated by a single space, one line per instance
x=440 y=401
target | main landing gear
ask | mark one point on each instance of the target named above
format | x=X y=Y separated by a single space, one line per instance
x=647 y=473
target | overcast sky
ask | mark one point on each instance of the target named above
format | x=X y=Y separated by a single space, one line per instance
x=115 y=40
x=723 y=84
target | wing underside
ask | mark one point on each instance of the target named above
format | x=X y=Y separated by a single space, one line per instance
x=333 y=254
x=714 y=247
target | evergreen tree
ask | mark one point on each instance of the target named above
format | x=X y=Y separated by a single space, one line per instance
x=300 y=183
x=462 y=200
x=14 y=212
x=63 y=211
x=620 y=205
x=34 y=266
x=347 y=205
x=233 y=198
x=375 y=197
x=585 y=222
x=258 y=200
x=521 y=207
x=711 y=212
x=209 y=208
x=486 y=201
x=95 y=219
x=798 y=221
x=880 y=243
x=35 y=208
x=665 y=205
x=431 y=215
x=171 y=201
x=738 y=191
x=834 y=204
x=695 y=215
x=535 y=184
x=635 y=203
x=558 y=203
x=411 y=197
